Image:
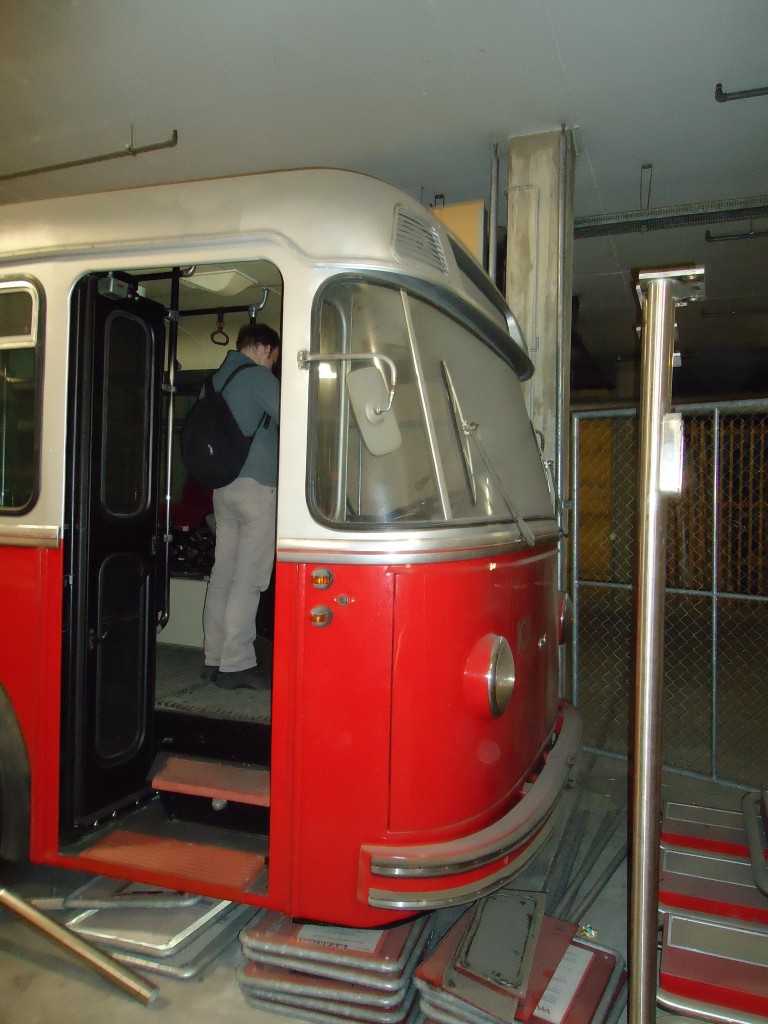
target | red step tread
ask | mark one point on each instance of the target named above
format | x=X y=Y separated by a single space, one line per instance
x=207 y=777
x=235 y=868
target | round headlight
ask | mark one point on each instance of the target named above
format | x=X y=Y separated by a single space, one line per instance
x=489 y=676
x=501 y=677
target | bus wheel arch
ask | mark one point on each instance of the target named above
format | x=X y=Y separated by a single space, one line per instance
x=15 y=790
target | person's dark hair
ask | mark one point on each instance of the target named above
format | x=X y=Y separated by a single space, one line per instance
x=257 y=334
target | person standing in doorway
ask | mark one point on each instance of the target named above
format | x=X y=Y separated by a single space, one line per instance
x=245 y=515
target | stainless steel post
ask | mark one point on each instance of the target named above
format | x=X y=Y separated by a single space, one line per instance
x=126 y=979
x=658 y=335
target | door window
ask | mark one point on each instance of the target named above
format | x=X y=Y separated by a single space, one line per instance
x=120 y=646
x=127 y=406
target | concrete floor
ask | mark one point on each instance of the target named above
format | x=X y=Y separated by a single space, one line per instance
x=42 y=984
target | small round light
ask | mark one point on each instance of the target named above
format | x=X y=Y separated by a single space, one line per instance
x=322 y=578
x=320 y=615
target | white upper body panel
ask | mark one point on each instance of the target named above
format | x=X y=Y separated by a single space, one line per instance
x=312 y=224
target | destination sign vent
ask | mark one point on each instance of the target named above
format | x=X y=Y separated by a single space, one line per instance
x=416 y=241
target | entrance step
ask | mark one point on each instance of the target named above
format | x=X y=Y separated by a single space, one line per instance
x=211 y=778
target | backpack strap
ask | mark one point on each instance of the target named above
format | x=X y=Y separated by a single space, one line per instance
x=265 y=420
x=237 y=369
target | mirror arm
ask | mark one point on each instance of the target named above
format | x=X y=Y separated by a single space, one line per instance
x=305 y=358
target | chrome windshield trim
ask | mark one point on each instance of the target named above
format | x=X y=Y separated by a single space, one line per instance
x=404 y=548
x=22 y=535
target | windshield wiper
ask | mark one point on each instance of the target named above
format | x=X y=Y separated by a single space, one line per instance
x=461 y=434
x=466 y=430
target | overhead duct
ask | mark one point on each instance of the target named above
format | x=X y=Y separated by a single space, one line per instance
x=664 y=217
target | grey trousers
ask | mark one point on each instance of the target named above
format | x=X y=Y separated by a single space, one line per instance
x=245 y=552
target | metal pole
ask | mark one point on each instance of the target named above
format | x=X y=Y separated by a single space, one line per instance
x=658 y=336
x=126 y=979
x=658 y=330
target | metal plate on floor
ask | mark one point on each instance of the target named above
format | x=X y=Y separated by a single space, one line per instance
x=554 y=939
x=276 y=982
x=327 y=1011
x=413 y=1016
x=159 y=934
x=704 y=828
x=445 y=1009
x=379 y=980
x=191 y=961
x=583 y=986
x=384 y=950
x=572 y=981
x=722 y=966
x=429 y=976
x=710 y=883
x=493 y=958
x=106 y=893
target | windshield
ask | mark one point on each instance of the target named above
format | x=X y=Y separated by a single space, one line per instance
x=459 y=443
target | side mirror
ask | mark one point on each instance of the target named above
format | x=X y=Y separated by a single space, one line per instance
x=371 y=402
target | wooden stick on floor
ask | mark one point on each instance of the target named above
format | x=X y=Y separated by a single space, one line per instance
x=123 y=977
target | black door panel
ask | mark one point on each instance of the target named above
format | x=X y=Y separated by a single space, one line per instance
x=112 y=540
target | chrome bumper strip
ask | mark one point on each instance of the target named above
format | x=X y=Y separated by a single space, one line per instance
x=504 y=836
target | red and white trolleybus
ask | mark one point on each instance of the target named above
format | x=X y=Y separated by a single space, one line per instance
x=412 y=749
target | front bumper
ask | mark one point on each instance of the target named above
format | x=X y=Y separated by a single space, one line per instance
x=431 y=875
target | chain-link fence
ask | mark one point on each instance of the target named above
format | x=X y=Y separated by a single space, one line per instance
x=715 y=712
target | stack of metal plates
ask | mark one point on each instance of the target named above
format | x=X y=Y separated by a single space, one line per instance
x=325 y=973
x=159 y=930
x=714 y=906
x=504 y=960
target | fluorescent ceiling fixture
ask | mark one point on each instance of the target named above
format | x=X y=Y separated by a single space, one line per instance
x=224 y=282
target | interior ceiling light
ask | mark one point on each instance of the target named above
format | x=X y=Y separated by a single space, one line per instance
x=223 y=282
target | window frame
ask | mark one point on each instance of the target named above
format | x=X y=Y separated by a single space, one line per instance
x=451 y=307
x=35 y=341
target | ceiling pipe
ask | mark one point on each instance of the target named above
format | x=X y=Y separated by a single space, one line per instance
x=665 y=217
x=130 y=150
x=745 y=94
x=741 y=237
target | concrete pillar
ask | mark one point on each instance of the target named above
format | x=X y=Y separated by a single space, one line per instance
x=538 y=281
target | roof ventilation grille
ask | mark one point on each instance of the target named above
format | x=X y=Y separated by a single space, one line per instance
x=418 y=242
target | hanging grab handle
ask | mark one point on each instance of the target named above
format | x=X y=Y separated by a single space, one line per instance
x=220 y=332
x=253 y=310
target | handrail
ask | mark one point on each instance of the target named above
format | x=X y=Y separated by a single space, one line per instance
x=756 y=840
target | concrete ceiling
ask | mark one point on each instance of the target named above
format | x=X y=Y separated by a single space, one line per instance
x=418 y=92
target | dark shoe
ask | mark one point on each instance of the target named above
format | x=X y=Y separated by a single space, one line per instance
x=249 y=678
x=209 y=673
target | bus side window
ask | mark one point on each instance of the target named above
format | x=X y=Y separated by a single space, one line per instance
x=19 y=396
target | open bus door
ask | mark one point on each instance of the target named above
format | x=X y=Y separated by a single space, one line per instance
x=113 y=547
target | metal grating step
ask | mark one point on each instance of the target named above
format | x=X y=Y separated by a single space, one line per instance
x=210 y=778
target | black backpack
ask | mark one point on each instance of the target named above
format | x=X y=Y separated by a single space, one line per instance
x=213 y=447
